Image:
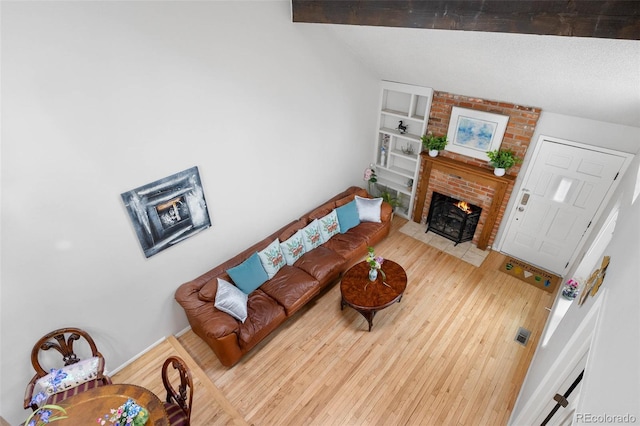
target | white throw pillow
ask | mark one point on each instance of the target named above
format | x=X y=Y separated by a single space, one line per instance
x=311 y=237
x=329 y=226
x=368 y=209
x=293 y=248
x=271 y=258
x=231 y=300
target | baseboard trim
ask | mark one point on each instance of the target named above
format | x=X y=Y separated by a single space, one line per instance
x=131 y=360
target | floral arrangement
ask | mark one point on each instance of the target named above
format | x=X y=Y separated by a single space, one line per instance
x=128 y=414
x=570 y=289
x=375 y=262
x=370 y=176
x=44 y=415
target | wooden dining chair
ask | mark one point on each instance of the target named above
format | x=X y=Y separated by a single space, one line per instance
x=58 y=378
x=178 y=404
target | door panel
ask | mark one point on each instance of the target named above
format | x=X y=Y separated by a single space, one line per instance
x=558 y=200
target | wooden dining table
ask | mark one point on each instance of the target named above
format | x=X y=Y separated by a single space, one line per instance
x=87 y=407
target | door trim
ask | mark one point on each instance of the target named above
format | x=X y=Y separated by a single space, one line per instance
x=576 y=347
x=512 y=208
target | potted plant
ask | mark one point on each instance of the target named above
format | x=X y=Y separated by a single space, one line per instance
x=433 y=144
x=388 y=198
x=502 y=159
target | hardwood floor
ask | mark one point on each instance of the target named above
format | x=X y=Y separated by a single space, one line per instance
x=445 y=355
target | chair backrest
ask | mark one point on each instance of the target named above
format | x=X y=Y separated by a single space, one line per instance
x=183 y=396
x=62 y=341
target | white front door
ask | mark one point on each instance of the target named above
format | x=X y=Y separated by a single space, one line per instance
x=561 y=193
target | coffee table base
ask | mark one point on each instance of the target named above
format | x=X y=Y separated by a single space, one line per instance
x=368 y=314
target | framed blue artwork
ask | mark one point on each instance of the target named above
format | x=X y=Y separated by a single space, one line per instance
x=473 y=133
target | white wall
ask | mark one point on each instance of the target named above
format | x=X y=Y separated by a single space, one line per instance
x=102 y=97
x=612 y=377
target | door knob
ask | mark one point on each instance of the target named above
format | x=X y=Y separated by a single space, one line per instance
x=520 y=209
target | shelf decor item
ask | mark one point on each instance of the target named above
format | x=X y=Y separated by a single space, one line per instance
x=370 y=176
x=433 y=144
x=474 y=133
x=501 y=160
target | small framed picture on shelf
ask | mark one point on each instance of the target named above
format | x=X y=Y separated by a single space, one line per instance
x=474 y=133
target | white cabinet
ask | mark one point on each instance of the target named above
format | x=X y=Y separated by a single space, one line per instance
x=404 y=114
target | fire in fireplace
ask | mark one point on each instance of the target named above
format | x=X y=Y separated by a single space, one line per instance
x=453 y=219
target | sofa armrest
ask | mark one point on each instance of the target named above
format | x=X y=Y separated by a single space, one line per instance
x=385 y=212
x=202 y=314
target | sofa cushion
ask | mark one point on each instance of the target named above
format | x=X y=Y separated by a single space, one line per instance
x=293 y=248
x=311 y=237
x=291 y=288
x=322 y=263
x=347 y=216
x=249 y=275
x=264 y=316
x=231 y=300
x=368 y=209
x=348 y=245
x=288 y=231
x=320 y=211
x=372 y=232
x=329 y=226
x=272 y=258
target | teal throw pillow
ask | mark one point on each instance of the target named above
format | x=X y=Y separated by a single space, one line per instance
x=249 y=275
x=348 y=216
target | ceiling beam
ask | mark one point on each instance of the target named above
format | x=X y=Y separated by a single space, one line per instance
x=578 y=18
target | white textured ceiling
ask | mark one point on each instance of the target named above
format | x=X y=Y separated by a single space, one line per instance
x=592 y=78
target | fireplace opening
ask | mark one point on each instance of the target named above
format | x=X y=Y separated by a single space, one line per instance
x=453 y=219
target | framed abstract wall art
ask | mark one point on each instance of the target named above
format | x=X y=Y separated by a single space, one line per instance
x=167 y=211
x=473 y=133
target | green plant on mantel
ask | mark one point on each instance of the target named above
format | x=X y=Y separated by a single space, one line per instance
x=503 y=158
x=432 y=143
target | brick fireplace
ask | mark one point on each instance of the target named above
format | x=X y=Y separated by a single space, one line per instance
x=466 y=182
x=469 y=179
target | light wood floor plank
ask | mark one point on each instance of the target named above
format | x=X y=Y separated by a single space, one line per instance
x=444 y=355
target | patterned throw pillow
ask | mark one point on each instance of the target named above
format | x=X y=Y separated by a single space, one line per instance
x=293 y=248
x=231 y=299
x=66 y=378
x=272 y=258
x=311 y=237
x=329 y=226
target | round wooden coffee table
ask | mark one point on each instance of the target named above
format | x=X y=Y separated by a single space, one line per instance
x=368 y=297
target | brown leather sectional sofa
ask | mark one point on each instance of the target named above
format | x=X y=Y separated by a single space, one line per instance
x=284 y=294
